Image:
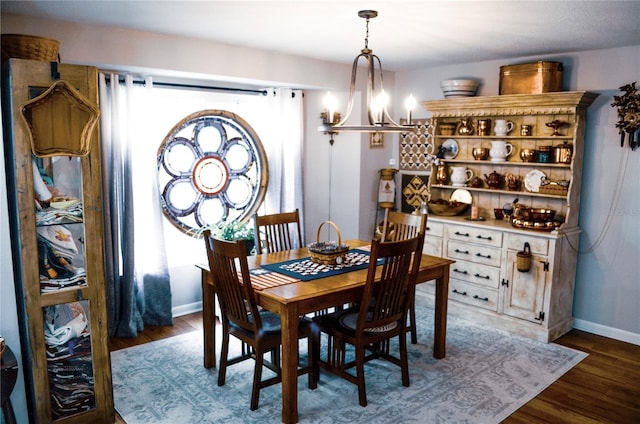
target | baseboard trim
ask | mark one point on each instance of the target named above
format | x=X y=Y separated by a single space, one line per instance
x=603 y=330
x=189 y=308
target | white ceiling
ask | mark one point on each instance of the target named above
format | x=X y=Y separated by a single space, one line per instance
x=407 y=34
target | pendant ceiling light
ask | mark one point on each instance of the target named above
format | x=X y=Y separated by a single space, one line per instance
x=377 y=99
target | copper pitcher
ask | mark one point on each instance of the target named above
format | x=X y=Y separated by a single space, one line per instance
x=484 y=126
x=442 y=174
x=466 y=127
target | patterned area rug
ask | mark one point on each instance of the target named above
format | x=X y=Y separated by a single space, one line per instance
x=486 y=376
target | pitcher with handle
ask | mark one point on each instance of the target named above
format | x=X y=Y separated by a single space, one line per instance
x=503 y=127
x=500 y=150
x=460 y=176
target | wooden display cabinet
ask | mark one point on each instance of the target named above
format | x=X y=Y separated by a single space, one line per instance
x=485 y=283
x=52 y=150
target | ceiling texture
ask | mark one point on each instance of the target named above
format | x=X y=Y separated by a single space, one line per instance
x=407 y=34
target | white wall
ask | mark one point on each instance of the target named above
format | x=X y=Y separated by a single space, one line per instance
x=607 y=296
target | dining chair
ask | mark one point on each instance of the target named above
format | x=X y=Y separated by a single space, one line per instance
x=273 y=233
x=258 y=330
x=380 y=316
x=400 y=226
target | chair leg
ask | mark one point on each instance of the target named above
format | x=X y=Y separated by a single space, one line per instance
x=362 y=391
x=257 y=378
x=222 y=371
x=412 y=317
x=404 y=359
x=275 y=357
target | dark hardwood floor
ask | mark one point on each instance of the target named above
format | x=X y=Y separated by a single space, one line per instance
x=603 y=388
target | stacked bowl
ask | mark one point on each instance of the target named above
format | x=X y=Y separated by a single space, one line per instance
x=459 y=88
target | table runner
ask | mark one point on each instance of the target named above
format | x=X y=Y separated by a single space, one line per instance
x=304 y=269
x=263 y=279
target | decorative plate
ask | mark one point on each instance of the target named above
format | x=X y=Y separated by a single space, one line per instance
x=462 y=196
x=533 y=180
x=450 y=147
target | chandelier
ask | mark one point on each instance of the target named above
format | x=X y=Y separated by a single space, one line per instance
x=377 y=100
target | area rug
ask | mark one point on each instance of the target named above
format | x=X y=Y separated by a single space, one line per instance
x=486 y=376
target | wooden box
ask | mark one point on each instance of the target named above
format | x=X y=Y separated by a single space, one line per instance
x=531 y=78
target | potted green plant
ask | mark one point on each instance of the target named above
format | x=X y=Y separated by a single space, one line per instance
x=235 y=230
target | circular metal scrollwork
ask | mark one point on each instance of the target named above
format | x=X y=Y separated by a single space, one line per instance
x=211 y=168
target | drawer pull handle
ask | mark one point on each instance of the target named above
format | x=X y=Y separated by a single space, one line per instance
x=458 y=233
x=475 y=296
x=428 y=228
x=486 y=277
x=460 y=272
x=483 y=256
x=466 y=252
x=484 y=238
x=462 y=293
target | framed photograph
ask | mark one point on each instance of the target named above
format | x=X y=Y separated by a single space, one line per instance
x=376 y=140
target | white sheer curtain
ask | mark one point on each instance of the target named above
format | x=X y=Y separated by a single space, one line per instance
x=283 y=144
x=138 y=289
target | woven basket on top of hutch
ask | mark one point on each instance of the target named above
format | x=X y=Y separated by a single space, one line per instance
x=485 y=284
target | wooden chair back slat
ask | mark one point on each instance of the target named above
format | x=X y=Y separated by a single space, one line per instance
x=277 y=232
x=401 y=226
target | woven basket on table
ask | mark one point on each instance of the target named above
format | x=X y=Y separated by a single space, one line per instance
x=30 y=47
x=328 y=252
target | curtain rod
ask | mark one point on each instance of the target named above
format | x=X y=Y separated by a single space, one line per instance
x=195 y=86
x=209 y=87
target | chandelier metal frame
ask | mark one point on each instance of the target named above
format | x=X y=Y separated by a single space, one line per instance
x=379 y=119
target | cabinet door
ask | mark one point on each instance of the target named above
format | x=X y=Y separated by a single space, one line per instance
x=56 y=207
x=524 y=291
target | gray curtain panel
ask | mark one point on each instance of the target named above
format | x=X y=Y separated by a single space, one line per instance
x=138 y=286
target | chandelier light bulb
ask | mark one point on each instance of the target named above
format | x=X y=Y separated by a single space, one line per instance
x=331 y=105
x=379 y=106
x=410 y=104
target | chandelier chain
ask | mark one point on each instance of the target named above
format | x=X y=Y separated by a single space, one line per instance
x=366 y=37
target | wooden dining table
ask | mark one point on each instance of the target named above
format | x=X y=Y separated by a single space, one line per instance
x=295 y=299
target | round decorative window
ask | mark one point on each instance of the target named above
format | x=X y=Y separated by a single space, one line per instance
x=212 y=168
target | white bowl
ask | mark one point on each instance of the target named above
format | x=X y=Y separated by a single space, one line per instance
x=459 y=88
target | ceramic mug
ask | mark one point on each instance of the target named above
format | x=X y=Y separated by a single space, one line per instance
x=500 y=150
x=503 y=127
x=460 y=176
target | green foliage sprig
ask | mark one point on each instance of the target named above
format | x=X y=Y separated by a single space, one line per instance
x=234 y=230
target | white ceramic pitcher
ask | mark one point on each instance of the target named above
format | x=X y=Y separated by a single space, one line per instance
x=460 y=176
x=503 y=127
x=500 y=150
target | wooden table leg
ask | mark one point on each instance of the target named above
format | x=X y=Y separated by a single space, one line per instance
x=440 y=326
x=289 y=325
x=209 y=319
